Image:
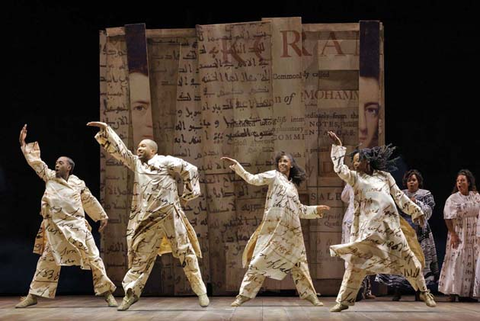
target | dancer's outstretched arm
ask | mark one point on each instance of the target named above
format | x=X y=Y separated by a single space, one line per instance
x=338 y=154
x=313 y=211
x=31 y=151
x=258 y=179
x=189 y=174
x=113 y=144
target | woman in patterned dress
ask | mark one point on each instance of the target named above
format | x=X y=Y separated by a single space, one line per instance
x=462 y=208
x=476 y=289
x=413 y=181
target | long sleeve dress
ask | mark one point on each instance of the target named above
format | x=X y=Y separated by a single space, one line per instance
x=381 y=240
x=348 y=198
x=277 y=244
x=476 y=289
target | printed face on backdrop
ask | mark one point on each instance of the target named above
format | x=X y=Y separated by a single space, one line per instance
x=369 y=109
x=141 y=104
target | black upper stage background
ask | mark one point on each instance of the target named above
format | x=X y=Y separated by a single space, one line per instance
x=52 y=84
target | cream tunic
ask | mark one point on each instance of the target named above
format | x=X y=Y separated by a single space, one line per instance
x=277 y=244
x=380 y=241
x=64 y=226
x=348 y=198
x=155 y=195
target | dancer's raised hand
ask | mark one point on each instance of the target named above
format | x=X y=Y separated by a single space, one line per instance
x=98 y=124
x=334 y=138
x=235 y=162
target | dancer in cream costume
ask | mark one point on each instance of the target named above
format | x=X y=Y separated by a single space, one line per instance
x=381 y=241
x=157 y=223
x=64 y=237
x=277 y=247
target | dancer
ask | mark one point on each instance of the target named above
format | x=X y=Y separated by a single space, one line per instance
x=157 y=223
x=277 y=247
x=381 y=241
x=461 y=212
x=348 y=197
x=64 y=237
x=413 y=181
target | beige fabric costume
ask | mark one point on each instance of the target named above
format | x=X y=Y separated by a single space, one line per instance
x=381 y=241
x=157 y=223
x=277 y=246
x=64 y=237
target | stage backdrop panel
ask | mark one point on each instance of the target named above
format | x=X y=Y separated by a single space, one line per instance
x=242 y=90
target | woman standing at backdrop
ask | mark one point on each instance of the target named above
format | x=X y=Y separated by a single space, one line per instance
x=457 y=278
x=413 y=181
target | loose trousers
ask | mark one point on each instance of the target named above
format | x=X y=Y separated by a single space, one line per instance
x=352 y=281
x=147 y=245
x=253 y=280
x=45 y=279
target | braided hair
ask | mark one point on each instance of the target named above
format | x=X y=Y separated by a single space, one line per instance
x=378 y=157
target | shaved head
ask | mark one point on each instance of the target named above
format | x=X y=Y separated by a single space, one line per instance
x=151 y=144
x=146 y=149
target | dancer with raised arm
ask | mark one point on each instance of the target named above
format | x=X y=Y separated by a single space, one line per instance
x=157 y=223
x=277 y=246
x=64 y=237
x=381 y=241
